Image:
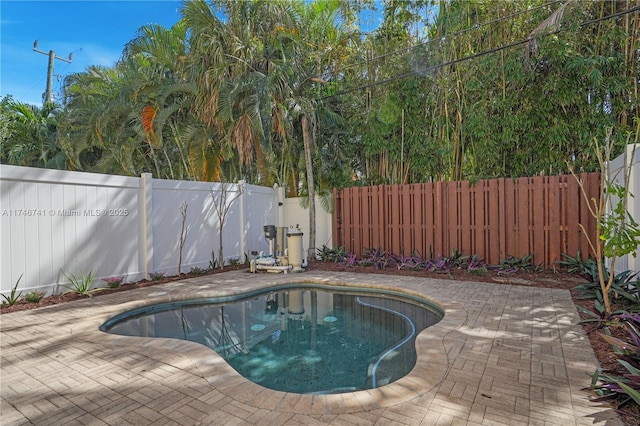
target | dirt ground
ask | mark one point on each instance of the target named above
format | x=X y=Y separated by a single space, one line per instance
x=546 y=279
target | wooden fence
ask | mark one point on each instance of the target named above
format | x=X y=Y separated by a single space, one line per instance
x=493 y=218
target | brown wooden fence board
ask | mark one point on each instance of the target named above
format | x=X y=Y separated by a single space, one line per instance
x=594 y=188
x=378 y=217
x=492 y=218
x=521 y=224
x=556 y=187
x=573 y=210
x=540 y=214
x=352 y=207
x=453 y=212
x=407 y=232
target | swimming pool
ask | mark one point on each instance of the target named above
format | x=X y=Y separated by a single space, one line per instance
x=297 y=338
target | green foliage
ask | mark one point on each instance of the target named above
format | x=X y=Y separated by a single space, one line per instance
x=327 y=254
x=196 y=271
x=618 y=231
x=34 y=296
x=622 y=386
x=377 y=258
x=624 y=291
x=456 y=260
x=13 y=297
x=156 y=276
x=114 y=282
x=80 y=285
x=213 y=263
x=575 y=265
x=515 y=264
x=615 y=234
x=480 y=272
x=29 y=135
x=423 y=97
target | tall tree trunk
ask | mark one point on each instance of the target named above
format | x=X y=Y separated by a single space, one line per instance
x=307 y=138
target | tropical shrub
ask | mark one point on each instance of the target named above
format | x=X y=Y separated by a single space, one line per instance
x=80 y=285
x=196 y=271
x=13 y=297
x=114 y=282
x=327 y=254
x=156 y=276
x=514 y=264
x=617 y=233
x=34 y=296
x=624 y=292
x=624 y=385
x=235 y=262
x=377 y=258
x=575 y=265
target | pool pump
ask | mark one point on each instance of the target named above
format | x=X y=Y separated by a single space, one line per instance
x=284 y=254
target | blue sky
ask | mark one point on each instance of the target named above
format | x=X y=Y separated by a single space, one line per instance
x=94 y=31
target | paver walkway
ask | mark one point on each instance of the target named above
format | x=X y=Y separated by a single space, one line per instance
x=503 y=354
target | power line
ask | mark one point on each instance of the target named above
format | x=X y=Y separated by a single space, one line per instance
x=48 y=95
x=453 y=34
x=477 y=55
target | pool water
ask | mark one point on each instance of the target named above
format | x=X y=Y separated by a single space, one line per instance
x=297 y=339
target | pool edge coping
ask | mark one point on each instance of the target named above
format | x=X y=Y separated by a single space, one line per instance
x=432 y=350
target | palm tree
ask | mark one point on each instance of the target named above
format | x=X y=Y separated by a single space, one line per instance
x=97 y=128
x=30 y=135
x=259 y=74
x=236 y=66
x=168 y=101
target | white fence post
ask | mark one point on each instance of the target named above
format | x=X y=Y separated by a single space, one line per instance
x=243 y=225
x=146 y=225
x=282 y=214
x=617 y=173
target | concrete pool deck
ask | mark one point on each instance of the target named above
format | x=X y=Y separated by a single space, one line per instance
x=503 y=354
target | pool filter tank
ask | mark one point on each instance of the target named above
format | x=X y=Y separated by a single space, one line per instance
x=294 y=246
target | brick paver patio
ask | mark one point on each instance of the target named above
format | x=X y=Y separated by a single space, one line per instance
x=503 y=354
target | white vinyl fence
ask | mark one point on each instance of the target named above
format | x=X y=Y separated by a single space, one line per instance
x=617 y=173
x=56 y=221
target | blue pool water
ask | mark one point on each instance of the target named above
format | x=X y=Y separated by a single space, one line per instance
x=302 y=339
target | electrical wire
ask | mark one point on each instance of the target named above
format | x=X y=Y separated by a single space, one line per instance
x=477 y=55
x=453 y=34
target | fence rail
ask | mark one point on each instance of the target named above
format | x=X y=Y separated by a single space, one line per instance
x=493 y=218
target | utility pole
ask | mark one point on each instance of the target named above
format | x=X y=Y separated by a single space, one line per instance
x=48 y=95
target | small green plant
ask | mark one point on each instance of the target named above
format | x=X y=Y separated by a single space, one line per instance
x=624 y=387
x=196 y=271
x=34 y=296
x=457 y=259
x=80 y=285
x=623 y=291
x=479 y=272
x=156 y=276
x=327 y=254
x=377 y=258
x=476 y=266
x=575 y=265
x=234 y=262
x=351 y=261
x=113 y=282
x=213 y=263
x=13 y=297
x=514 y=264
